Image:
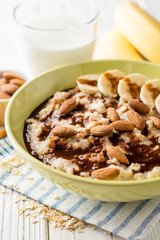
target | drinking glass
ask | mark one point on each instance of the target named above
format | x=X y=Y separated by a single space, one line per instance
x=54 y=33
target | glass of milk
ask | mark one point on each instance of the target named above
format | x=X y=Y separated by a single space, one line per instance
x=56 y=32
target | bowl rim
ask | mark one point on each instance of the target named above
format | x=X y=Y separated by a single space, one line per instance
x=25 y=154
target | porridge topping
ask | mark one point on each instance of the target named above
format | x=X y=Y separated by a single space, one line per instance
x=136 y=119
x=154 y=91
x=115 y=152
x=134 y=88
x=67 y=106
x=155 y=120
x=138 y=106
x=99 y=129
x=112 y=114
x=106 y=173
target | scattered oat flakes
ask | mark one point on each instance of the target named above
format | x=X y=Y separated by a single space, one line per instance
x=12 y=162
x=27 y=213
x=29 y=178
x=93 y=227
x=56 y=197
x=21 y=198
x=14 y=186
x=55 y=218
x=29 y=167
x=34 y=221
x=15 y=171
x=3 y=191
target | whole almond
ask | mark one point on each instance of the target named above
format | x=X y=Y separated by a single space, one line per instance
x=9 y=88
x=18 y=82
x=67 y=106
x=122 y=126
x=4 y=95
x=106 y=173
x=101 y=130
x=92 y=124
x=136 y=119
x=63 y=132
x=112 y=114
x=115 y=152
x=138 y=106
x=2 y=81
x=2 y=133
x=155 y=120
x=10 y=75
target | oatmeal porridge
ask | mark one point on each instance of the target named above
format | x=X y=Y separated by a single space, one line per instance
x=107 y=127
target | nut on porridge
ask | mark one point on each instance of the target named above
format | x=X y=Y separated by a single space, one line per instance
x=107 y=127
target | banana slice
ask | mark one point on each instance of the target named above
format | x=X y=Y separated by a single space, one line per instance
x=150 y=91
x=88 y=83
x=108 y=81
x=157 y=103
x=130 y=86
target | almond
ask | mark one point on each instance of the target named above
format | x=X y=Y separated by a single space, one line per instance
x=3 y=81
x=136 y=119
x=67 y=106
x=115 y=152
x=9 y=88
x=18 y=82
x=106 y=173
x=92 y=124
x=112 y=114
x=155 y=120
x=63 y=132
x=2 y=133
x=4 y=95
x=138 y=106
x=101 y=130
x=122 y=126
x=10 y=75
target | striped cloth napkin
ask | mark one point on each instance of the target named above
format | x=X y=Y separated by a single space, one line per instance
x=135 y=220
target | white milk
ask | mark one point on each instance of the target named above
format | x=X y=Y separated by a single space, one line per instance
x=45 y=49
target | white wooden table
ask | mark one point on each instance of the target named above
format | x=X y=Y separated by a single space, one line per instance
x=12 y=226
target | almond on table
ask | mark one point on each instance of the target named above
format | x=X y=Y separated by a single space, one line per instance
x=97 y=130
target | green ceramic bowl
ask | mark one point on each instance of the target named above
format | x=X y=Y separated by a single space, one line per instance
x=29 y=96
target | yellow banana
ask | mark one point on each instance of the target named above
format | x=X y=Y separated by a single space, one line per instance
x=140 y=29
x=115 y=46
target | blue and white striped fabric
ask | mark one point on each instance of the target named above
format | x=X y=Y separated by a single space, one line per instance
x=129 y=220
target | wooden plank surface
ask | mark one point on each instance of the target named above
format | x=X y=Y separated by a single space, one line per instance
x=15 y=227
